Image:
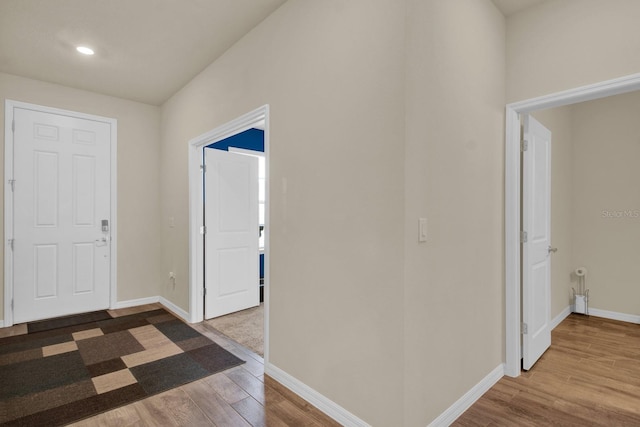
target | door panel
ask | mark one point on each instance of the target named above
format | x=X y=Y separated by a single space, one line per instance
x=62 y=191
x=536 y=261
x=231 y=242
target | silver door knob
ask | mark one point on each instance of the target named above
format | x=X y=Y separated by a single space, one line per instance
x=552 y=249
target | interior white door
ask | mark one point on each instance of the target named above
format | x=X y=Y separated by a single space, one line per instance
x=536 y=260
x=61 y=260
x=231 y=239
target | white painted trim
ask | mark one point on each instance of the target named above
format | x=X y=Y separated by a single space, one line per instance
x=469 y=398
x=8 y=212
x=196 y=250
x=142 y=301
x=8 y=199
x=613 y=315
x=175 y=309
x=114 y=211
x=135 y=302
x=512 y=244
x=560 y=317
x=512 y=195
x=323 y=403
x=590 y=92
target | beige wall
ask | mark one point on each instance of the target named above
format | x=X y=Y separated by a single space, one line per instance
x=562 y=44
x=338 y=81
x=558 y=121
x=332 y=72
x=454 y=177
x=138 y=175
x=606 y=200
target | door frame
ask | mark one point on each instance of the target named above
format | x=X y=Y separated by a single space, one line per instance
x=602 y=89
x=9 y=106
x=196 y=218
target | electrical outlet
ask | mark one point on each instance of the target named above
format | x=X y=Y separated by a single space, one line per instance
x=172 y=275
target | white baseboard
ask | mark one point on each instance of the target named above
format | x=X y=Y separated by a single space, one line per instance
x=150 y=300
x=623 y=317
x=321 y=402
x=560 y=317
x=142 y=301
x=175 y=309
x=469 y=398
x=136 y=302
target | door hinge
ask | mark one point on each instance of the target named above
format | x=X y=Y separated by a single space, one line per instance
x=203 y=168
x=203 y=229
x=524 y=145
x=524 y=328
x=12 y=183
x=524 y=237
x=13 y=126
x=10 y=242
x=11 y=304
x=204 y=292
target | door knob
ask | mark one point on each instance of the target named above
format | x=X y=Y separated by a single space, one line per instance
x=552 y=249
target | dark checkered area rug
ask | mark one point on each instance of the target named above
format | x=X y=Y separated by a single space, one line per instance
x=74 y=367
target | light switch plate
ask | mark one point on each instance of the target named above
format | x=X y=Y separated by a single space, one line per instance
x=422 y=233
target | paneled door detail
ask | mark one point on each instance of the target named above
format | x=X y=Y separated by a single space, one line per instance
x=61 y=196
x=231 y=239
x=536 y=260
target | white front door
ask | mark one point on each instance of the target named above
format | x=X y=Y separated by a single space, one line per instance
x=536 y=223
x=231 y=239
x=61 y=258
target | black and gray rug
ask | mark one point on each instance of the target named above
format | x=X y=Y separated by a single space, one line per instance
x=74 y=367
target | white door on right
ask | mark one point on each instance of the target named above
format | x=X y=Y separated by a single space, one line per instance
x=536 y=223
x=232 y=280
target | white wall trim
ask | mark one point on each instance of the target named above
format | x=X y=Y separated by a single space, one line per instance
x=469 y=398
x=8 y=196
x=142 y=301
x=512 y=195
x=135 y=302
x=323 y=403
x=8 y=212
x=175 y=309
x=613 y=315
x=560 y=317
x=255 y=118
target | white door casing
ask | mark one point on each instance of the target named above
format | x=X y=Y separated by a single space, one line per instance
x=231 y=240
x=62 y=261
x=536 y=259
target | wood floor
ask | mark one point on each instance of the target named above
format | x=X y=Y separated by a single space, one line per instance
x=589 y=377
x=241 y=396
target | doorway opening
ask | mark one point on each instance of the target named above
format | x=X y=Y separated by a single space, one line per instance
x=513 y=222
x=222 y=149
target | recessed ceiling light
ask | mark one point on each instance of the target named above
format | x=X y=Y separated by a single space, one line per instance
x=85 y=50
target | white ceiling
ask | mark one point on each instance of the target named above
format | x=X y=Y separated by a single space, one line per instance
x=509 y=7
x=146 y=50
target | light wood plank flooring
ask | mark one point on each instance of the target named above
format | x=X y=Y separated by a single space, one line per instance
x=241 y=396
x=589 y=377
